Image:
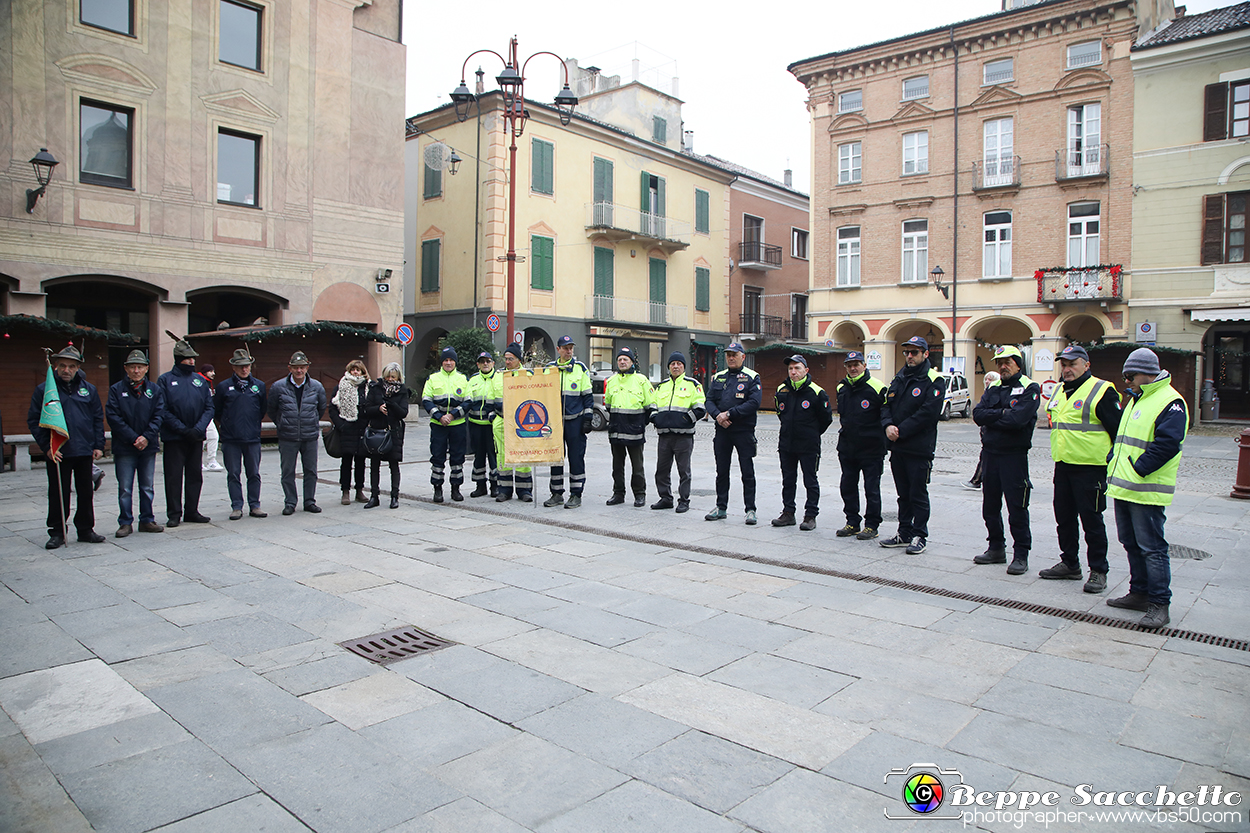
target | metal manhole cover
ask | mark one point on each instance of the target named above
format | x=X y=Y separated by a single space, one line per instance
x=1182 y=551
x=392 y=646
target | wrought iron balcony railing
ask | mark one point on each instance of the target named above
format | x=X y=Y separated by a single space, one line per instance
x=996 y=173
x=1098 y=283
x=619 y=222
x=772 y=326
x=1079 y=163
x=754 y=254
x=608 y=308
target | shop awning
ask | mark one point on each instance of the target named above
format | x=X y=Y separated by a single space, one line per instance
x=1220 y=314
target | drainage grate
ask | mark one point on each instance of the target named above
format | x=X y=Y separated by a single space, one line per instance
x=1182 y=551
x=392 y=646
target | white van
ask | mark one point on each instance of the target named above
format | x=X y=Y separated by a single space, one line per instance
x=958 y=397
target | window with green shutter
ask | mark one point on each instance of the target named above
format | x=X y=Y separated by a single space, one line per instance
x=433 y=182
x=702 y=289
x=605 y=268
x=542 y=167
x=659 y=129
x=542 y=262
x=659 y=290
x=702 y=211
x=603 y=182
x=430 y=256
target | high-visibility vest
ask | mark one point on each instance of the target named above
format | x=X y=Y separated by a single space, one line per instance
x=479 y=397
x=1076 y=435
x=1137 y=431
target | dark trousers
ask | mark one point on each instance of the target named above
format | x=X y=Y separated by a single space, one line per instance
x=1006 y=476
x=670 y=447
x=724 y=444
x=638 y=477
x=77 y=469
x=911 y=481
x=238 y=457
x=375 y=475
x=790 y=464
x=306 y=452
x=1081 y=493
x=447 y=441
x=871 y=469
x=350 y=463
x=182 y=461
x=1140 y=528
x=575 y=454
x=484 y=465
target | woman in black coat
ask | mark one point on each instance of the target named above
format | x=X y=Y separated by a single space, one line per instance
x=386 y=405
x=347 y=413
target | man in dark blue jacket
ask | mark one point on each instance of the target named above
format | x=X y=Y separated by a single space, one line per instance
x=239 y=403
x=861 y=446
x=733 y=400
x=1007 y=414
x=80 y=403
x=296 y=404
x=805 y=413
x=184 y=423
x=134 y=412
x=913 y=405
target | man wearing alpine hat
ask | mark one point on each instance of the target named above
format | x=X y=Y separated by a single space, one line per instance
x=913 y=405
x=240 y=403
x=134 y=414
x=187 y=411
x=296 y=403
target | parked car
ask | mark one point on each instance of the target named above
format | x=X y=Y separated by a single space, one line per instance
x=958 y=397
x=599 y=417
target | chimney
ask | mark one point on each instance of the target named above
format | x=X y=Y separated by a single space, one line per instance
x=675 y=93
x=636 y=65
x=594 y=76
x=788 y=178
x=687 y=140
x=1180 y=12
x=480 y=86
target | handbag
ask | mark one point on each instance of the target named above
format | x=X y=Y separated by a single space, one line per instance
x=333 y=442
x=379 y=442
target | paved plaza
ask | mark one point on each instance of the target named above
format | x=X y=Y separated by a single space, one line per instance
x=614 y=669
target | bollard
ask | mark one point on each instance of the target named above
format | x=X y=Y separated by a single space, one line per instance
x=1242 y=488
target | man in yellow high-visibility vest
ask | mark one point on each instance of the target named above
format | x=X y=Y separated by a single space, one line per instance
x=1142 y=478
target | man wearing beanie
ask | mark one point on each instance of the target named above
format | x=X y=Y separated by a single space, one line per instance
x=519 y=478
x=679 y=407
x=1007 y=414
x=913 y=405
x=444 y=400
x=184 y=424
x=485 y=473
x=630 y=400
x=1142 y=478
x=805 y=413
x=861 y=446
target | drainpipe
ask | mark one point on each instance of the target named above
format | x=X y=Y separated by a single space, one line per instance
x=955 y=231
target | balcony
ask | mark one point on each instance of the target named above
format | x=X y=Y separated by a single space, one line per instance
x=1102 y=285
x=772 y=327
x=616 y=222
x=606 y=309
x=996 y=173
x=754 y=254
x=1090 y=162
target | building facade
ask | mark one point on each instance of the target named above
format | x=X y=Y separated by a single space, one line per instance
x=998 y=149
x=1191 y=165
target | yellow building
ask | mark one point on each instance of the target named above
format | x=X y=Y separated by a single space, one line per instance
x=620 y=234
x=1191 y=170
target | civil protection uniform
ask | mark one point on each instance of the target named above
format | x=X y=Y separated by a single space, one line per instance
x=630 y=400
x=805 y=415
x=861 y=446
x=184 y=423
x=1007 y=414
x=84 y=417
x=445 y=393
x=519 y=478
x=679 y=405
x=240 y=405
x=134 y=411
x=738 y=394
x=578 y=401
x=1084 y=417
x=1142 y=478
x=480 y=398
x=913 y=404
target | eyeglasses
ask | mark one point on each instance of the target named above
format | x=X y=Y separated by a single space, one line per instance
x=1128 y=377
x=911 y=352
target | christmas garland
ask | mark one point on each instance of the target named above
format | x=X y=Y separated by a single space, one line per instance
x=1112 y=269
x=314 y=327
x=54 y=325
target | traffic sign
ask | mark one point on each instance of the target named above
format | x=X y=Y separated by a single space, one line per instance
x=518 y=336
x=492 y=322
x=404 y=334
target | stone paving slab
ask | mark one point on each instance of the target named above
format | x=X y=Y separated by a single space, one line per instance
x=635 y=806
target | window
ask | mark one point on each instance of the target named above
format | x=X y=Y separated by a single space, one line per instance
x=702 y=211
x=542 y=167
x=702 y=289
x=848 y=256
x=104 y=151
x=917 y=87
x=1084 y=140
x=1227 y=111
x=432 y=184
x=1224 y=227
x=752 y=309
x=916 y=153
x=798 y=317
x=659 y=129
x=238 y=168
x=997 y=152
x=652 y=203
x=659 y=290
x=1083 y=245
x=850 y=102
x=999 y=72
x=996 y=260
x=542 y=262
x=1086 y=54
x=849 y=162
x=113 y=15
x=431 y=253
x=605 y=270
x=798 y=243
x=752 y=230
x=915 y=251
x=239 y=39
x=602 y=192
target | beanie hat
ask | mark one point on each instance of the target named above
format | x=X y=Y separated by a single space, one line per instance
x=627 y=351
x=1142 y=360
x=207 y=368
x=448 y=353
x=514 y=349
x=677 y=356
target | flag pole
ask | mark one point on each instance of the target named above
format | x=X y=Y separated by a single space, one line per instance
x=60 y=488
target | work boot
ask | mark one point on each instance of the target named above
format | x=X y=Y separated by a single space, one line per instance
x=150 y=526
x=573 y=502
x=123 y=531
x=1132 y=601
x=346 y=500
x=438 y=495
x=394 y=500
x=525 y=497
x=479 y=490
x=91 y=537
x=993 y=555
x=847 y=531
x=1156 y=617
x=809 y=523
x=374 y=502
x=494 y=490
x=683 y=506
x=197 y=518
x=784 y=519
x=313 y=508
x=640 y=500
x=867 y=534
x=663 y=503
x=360 y=495
x=1061 y=571
x=616 y=500
x=1019 y=566
x=455 y=494
x=54 y=542
x=1097 y=582
x=556 y=499
x=503 y=495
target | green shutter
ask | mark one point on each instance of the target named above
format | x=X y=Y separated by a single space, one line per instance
x=644 y=203
x=542 y=262
x=702 y=211
x=659 y=291
x=659 y=129
x=433 y=182
x=660 y=202
x=429 y=264
x=603 y=180
x=542 y=167
x=605 y=267
x=702 y=289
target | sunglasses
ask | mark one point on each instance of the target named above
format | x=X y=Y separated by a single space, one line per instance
x=1128 y=377
x=911 y=352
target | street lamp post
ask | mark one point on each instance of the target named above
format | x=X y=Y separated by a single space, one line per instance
x=948 y=291
x=512 y=85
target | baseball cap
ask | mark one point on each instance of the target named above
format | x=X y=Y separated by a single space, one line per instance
x=916 y=341
x=853 y=356
x=565 y=341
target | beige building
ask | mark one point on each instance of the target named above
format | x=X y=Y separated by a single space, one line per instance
x=1191 y=168
x=220 y=162
x=998 y=149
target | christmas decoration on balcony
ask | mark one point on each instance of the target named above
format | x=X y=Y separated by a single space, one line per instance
x=1078 y=280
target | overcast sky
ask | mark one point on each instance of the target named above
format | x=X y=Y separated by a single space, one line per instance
x=740 y=101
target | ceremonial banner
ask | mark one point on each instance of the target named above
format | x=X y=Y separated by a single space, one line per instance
x=53 y=418
x=533 y=428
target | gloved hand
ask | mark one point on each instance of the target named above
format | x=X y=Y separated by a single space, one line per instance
x=586 y=426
